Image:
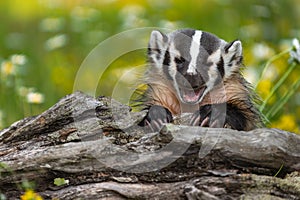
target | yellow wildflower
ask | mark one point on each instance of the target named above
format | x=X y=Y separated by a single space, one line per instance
x=264 y=87
x=31 y=195
x=35 y=97
x=287 y=122
x=8 y=68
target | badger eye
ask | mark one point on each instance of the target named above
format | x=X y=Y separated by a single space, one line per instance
x=179 y=60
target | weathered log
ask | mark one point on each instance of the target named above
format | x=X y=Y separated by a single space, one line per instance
x=97 y=145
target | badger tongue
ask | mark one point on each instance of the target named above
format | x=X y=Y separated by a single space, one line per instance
x=192 y=96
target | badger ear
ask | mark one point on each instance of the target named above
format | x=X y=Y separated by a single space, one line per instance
x=234 y=48
x=234 y=51
x=157 y=47
x=158 y=40
x=233 y=57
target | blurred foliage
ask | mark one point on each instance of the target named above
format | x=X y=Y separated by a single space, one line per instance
x=44 y=42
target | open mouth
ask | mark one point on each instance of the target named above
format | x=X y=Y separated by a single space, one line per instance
x=192 y=96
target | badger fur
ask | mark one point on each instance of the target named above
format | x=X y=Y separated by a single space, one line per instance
x=195 y=71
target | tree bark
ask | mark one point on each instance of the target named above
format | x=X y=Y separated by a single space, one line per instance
x=98 y=147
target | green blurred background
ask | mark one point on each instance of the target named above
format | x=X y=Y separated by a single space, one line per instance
x=44 y=42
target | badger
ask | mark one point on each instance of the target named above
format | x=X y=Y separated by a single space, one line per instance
x=195 y=71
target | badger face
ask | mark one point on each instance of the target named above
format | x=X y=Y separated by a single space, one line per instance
x=194 y=61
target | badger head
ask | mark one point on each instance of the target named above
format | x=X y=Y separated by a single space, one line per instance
x=194 y=61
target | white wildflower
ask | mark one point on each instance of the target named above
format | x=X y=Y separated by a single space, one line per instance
x=52 y=24
x=35 y=98
x=295 y=52
x=262 y=51
x=56 y=42
x=18 y=59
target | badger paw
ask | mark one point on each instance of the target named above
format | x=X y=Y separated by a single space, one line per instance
x=210 y=116
x=157 y=116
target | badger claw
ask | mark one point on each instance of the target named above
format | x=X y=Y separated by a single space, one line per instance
x=209 y=116
x=156 y=117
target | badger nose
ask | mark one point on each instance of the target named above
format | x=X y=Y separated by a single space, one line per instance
x=193 y=81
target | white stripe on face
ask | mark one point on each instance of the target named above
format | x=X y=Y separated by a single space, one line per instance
x=172 y=65
x=194 y=51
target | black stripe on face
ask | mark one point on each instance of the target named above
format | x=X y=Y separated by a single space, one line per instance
x=166 y=64
x=167 y=59
x=220 y=67
x=209 y=42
